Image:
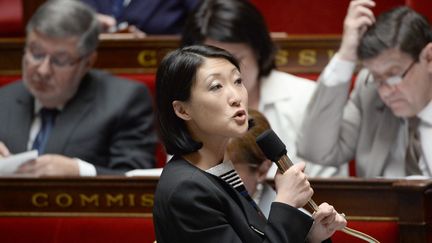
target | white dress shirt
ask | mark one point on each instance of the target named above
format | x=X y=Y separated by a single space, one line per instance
x=85 y=168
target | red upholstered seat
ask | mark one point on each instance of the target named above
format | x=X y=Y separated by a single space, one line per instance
x=422 y=6
x=314 y=16
x=11 y=18
x=383 y=231
x=76 y=229
x=147 y=79
x=118 y=229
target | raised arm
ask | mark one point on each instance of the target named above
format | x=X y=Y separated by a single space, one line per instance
x=330 y=127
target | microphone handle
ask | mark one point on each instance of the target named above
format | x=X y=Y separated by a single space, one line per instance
x=284 y=163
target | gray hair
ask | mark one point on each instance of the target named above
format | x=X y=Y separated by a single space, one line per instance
x=67 y=18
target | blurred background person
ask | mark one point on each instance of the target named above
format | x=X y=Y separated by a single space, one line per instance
x=386 y=122
x=238 y=27
x=149 y=16
x=82 y=121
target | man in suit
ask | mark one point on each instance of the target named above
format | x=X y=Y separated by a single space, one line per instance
x=82 y=121
x=395 y=89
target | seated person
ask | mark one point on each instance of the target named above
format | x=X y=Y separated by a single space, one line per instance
x=148 y=16
x=82 y=121
x=202 y=103
x=376 y=124
x=238 y=27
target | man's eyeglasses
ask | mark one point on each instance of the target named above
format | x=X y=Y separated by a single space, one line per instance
x=58 y=61
x=391 y=81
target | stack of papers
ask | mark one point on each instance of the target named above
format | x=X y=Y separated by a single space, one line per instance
x=8 y=165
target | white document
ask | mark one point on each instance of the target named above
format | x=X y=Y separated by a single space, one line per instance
x=8 y=165
x=156 y=172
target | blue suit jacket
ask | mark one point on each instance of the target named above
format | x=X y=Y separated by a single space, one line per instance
x=150 y=16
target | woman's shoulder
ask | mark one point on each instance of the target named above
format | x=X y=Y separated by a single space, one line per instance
x=179 y=174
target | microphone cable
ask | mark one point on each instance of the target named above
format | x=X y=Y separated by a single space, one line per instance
x=274 y=149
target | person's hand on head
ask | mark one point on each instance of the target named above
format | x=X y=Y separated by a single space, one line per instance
x=292 y=187
x=50 y=165
x=326 y=221
x=4 y=151
x=359 y=17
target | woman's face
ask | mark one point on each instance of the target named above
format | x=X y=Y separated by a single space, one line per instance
x=218 y=103
x=247 y=58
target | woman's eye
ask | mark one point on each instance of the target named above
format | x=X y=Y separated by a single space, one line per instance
x=238 y=81
x=215 y=87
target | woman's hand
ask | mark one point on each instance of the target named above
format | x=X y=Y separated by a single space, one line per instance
x=292 y=187
x=326 y=221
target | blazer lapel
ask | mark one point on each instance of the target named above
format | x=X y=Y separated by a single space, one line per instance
x=386 y=131
x=255 y=221
x=71 y=116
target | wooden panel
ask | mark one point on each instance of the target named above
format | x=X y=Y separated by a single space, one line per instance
x=123 y=54
x=77 y=196
x=407 y=202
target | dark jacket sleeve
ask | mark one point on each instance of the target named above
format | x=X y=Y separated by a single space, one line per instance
x=203 y=215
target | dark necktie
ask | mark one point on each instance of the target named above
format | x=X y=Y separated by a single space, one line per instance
x=48 y=118
x=413 y=151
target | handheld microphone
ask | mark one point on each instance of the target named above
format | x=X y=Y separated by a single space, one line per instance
x=275 y=150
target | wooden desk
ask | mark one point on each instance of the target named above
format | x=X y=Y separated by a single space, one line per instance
x=409 y=203
x=120 y=54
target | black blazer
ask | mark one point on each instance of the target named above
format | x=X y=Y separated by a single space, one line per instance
x=194 y=206
x=109 y=123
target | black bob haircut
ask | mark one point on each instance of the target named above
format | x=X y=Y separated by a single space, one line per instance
x=175 y=78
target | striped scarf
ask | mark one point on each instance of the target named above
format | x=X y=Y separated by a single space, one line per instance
x=227 y=173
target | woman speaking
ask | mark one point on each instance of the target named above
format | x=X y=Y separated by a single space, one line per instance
x=201 y=104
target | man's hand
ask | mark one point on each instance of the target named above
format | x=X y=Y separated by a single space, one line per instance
x=50 y=165
x=359 y=17
x=326 y=221
x=4 y=151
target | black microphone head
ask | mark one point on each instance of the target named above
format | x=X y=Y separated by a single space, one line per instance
x=271 y=145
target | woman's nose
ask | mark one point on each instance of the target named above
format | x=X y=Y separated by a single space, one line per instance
x=235 y=98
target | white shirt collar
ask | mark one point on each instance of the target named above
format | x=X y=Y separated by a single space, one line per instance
x=38 y=106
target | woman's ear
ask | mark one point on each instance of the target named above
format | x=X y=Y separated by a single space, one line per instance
x=181 y=110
